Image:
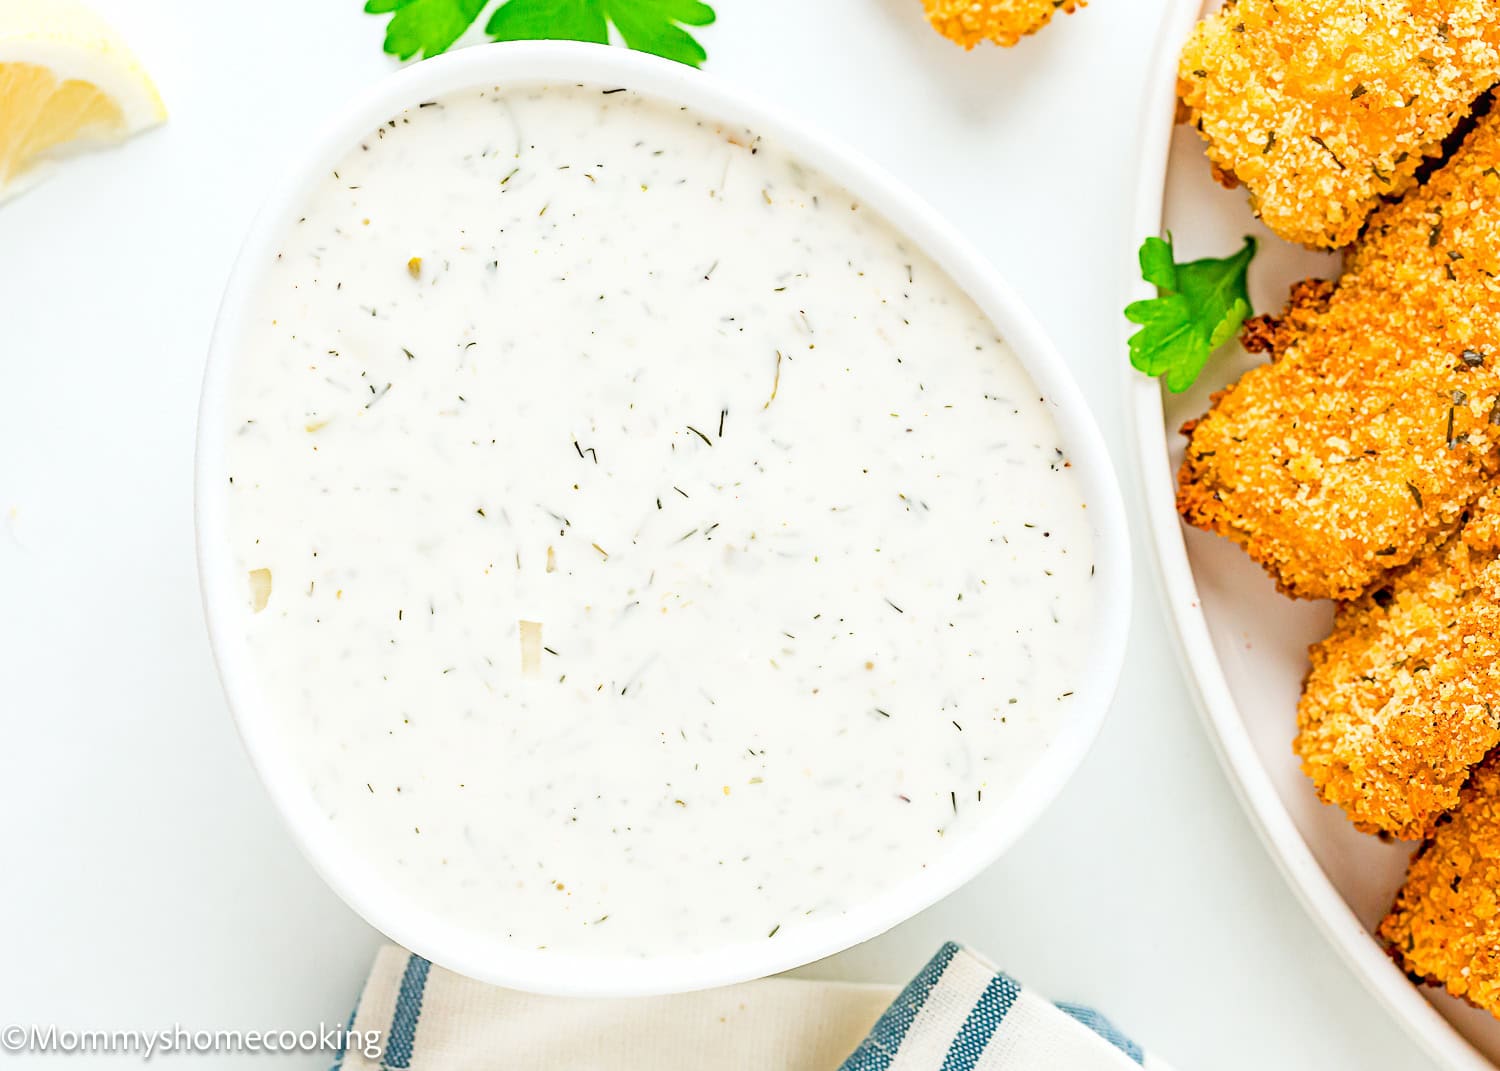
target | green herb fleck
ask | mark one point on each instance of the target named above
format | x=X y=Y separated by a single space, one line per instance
x=1199 y=306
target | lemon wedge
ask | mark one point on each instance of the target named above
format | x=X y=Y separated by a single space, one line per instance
x=67 y=83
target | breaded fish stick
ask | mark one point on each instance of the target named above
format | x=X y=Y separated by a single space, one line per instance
x=968 y=22
x=1322 y=107
x=1445 y=926
x=1403 y=699
x=1376 y=423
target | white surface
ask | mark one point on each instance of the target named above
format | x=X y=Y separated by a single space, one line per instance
x=146 y=879
x=1091 y=596
x=1245 y=644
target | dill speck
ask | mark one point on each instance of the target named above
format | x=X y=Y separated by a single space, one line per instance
x=1324 y=146
x=775 y=382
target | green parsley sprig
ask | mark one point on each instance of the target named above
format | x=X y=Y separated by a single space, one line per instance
x=1198 y=307
x=431 y=26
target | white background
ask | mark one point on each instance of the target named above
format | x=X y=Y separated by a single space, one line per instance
x=144 y=878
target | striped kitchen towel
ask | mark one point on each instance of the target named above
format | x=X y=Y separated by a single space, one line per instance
x=961 y=1014
x=958 y=1014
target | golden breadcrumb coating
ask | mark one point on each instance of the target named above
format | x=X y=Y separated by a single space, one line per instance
x=1322 y=107
x=1444 y=928
x=968 y=22
x=1401 y=701
x=1376 y=423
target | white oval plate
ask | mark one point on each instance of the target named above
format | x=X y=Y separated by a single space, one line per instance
x=1244 y=645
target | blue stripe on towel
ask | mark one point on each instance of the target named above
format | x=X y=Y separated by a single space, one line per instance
x=984 y=1019
x=1105 y=1029
x=403 y=1030
x=879 y=1048
x=338 y=1057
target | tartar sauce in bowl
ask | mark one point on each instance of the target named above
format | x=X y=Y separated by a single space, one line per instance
x=632 y=547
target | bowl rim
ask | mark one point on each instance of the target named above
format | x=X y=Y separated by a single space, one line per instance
x=571 y=974
x=1174 y=579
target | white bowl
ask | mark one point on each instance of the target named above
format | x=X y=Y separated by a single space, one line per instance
x=551 y=972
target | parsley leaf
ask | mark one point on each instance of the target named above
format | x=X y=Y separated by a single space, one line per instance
x=425 y=26
x=549 y=20
x=646 y=25
x=431 y=26
x=1199 y=306
x=655 y=27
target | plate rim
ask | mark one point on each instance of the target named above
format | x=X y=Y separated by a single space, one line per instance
x=1175 y=582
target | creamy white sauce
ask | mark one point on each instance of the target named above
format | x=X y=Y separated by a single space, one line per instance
x=811 y=572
